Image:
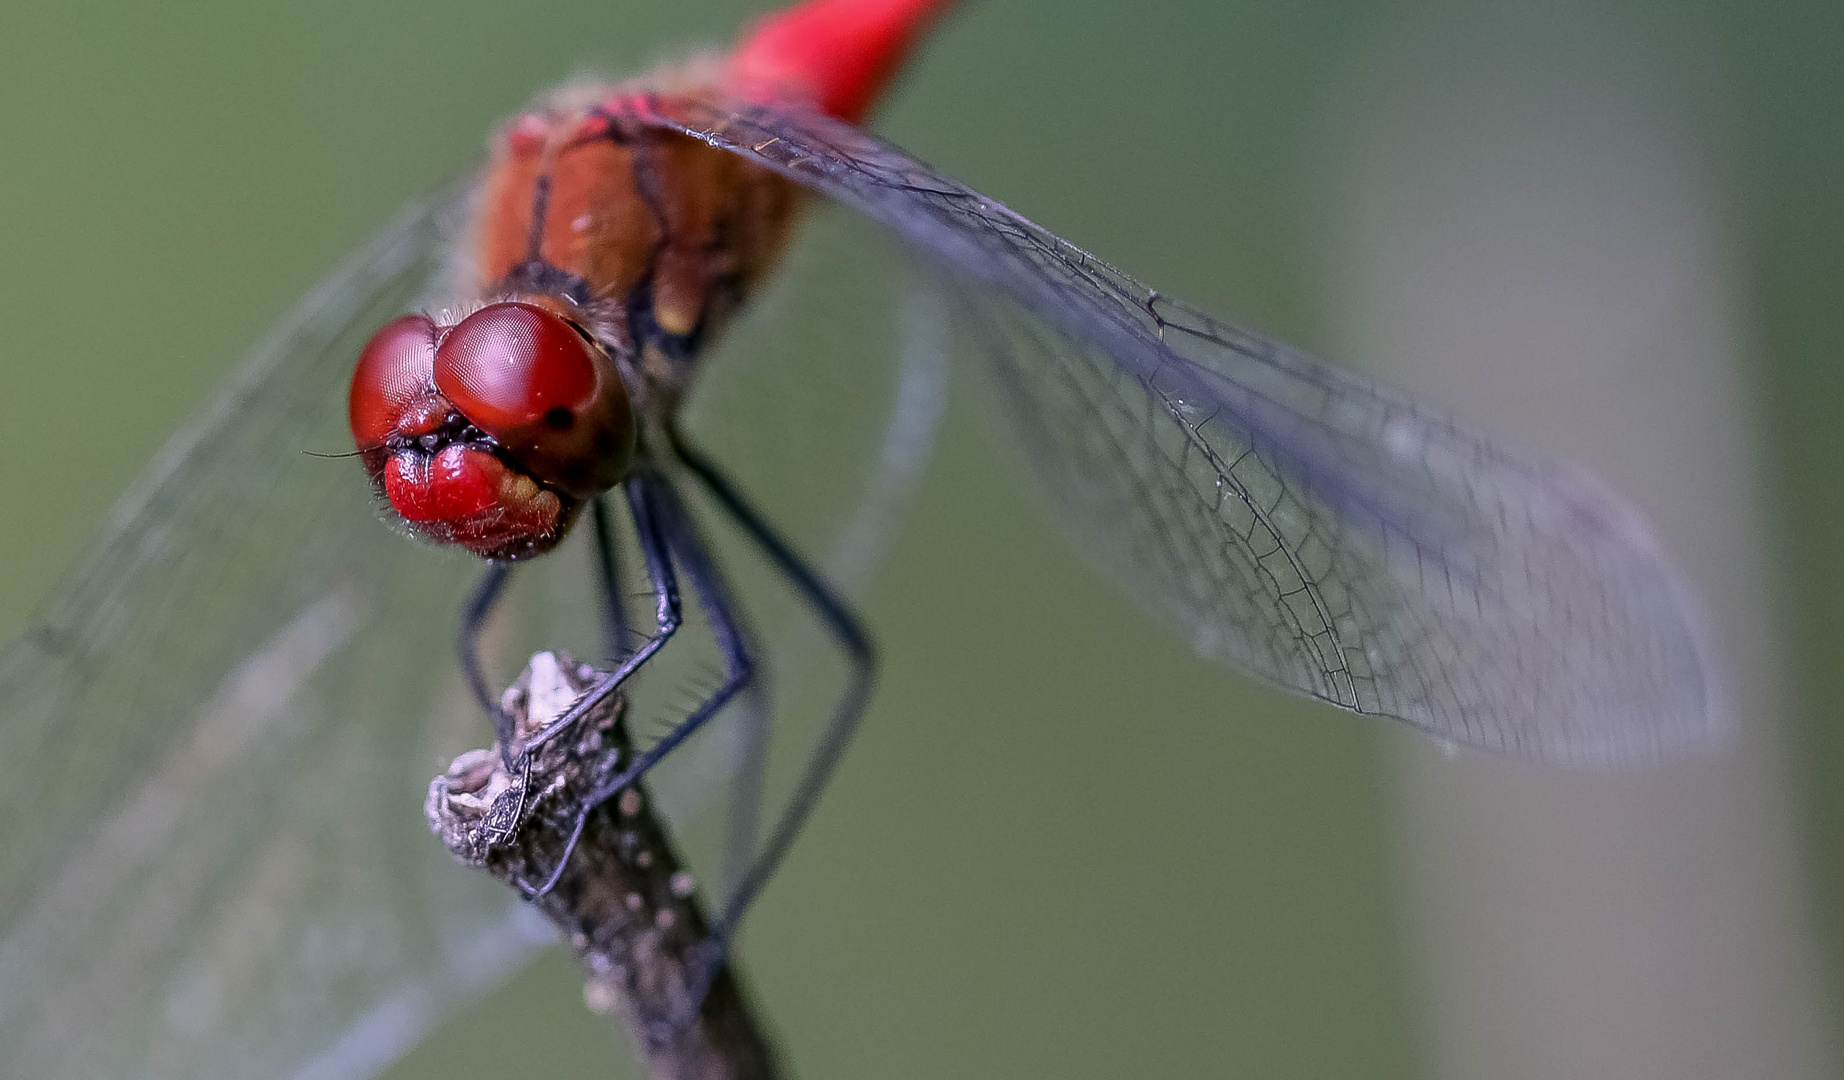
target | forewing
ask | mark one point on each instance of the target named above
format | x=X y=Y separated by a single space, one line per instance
x=1290 y=518
x=217 y=733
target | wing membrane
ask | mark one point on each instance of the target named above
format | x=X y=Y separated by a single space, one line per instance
x=219 y=729
x=1292 y=519
x=217 y=733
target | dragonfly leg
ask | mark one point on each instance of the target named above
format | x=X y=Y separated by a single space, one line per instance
x=726 y=630
x=753 y=711
x=480 y=604
x=648 y=500
x=616 y=627
x=860 y=654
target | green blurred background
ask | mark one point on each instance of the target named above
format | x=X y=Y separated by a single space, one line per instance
x=1062 y=846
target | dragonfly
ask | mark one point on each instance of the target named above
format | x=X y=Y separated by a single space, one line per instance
x=214 y=719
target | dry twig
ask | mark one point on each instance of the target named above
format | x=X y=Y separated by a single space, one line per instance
x=624 y=902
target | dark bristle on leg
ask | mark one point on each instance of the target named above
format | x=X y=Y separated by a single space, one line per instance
x=644 y=496
x=666 y=514
x=726 y=628
x=623 y=903
x=668 y=538
x=846 y=631
x=694 y=560
x=474 y=613
x=616 y=627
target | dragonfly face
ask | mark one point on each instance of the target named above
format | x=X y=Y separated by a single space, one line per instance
x=490 y=433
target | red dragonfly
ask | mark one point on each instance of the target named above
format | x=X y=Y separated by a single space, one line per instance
x=222 y=708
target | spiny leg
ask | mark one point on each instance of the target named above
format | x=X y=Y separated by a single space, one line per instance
x=726 y=630
x=753 y=711
x=616 y=627
x=861 y=656
x=649 y=512
x=474 y=613
x=694 y=560
x=750 y=712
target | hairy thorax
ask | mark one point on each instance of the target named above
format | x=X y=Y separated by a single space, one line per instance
x=665 y=234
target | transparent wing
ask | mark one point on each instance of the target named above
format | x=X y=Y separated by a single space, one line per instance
x=1292 y=519
x=216 y=736
x=217 y=733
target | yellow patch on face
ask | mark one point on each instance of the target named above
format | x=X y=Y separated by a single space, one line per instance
x=517 y=489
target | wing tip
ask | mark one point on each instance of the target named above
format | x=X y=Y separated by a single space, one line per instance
x=1699 y=720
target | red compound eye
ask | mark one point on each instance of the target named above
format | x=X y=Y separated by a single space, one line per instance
x=526 y=377
x=507 y=365
x=394 y=371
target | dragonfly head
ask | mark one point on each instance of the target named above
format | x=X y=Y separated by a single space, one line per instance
x=490 y=433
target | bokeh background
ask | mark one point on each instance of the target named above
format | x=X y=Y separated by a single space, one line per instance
x=1063 y=846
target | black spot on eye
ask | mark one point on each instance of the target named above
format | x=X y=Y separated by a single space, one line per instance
x=559 y=419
